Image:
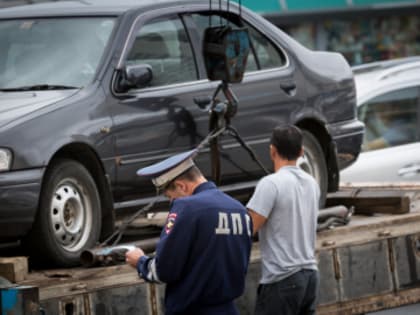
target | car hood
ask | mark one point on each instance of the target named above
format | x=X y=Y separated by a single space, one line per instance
x=14 y=105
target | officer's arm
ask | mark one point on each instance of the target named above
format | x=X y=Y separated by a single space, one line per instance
x=257 y=220
x=173 y=250
x=170 y=259
x=171 y=253
x=146 y=267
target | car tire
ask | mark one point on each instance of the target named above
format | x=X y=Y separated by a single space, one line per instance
x=69 y=215
x=313 y=162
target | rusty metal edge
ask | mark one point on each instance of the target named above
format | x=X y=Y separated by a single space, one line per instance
x=371 y=304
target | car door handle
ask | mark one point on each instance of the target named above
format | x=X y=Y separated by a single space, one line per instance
x=409 y=170
x=203 y=101
x=288 y=87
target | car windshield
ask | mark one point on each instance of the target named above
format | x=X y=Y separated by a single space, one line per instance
x=50 y=54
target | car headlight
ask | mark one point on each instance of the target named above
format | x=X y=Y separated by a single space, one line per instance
x=5 y=159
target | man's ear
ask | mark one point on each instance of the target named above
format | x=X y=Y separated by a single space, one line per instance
x=181 y=185
x=302 y=152
x=273 y=152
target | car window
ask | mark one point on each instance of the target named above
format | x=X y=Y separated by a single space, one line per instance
x=268 y=55
x=54 y=51
x=390 y=119
x=164 y=45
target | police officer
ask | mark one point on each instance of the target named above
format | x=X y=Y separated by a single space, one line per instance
x=204 y=248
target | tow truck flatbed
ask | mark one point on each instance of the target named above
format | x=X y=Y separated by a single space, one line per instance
x=373 y=263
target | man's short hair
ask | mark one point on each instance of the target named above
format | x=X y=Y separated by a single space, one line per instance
x=191 y=175
x=288 y=141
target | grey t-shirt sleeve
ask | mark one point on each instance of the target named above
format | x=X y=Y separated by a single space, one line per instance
x=263 y=199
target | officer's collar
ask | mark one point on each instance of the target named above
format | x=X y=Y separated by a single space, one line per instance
x=204 y=186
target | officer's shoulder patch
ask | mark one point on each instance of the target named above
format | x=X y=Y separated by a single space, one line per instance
x=170 y=222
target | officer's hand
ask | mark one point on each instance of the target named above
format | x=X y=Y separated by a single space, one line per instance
x=133 y=256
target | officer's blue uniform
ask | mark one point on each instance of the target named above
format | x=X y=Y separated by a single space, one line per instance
x=203 y=253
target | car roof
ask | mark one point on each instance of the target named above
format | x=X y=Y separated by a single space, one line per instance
x=85 y=7
x=379 y=77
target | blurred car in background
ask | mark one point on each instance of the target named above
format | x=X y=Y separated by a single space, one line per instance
x=388 y=99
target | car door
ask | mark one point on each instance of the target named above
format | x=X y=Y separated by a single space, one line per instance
x=162 y=119
x=268 y=94
x=157 y=121
x=391 y=147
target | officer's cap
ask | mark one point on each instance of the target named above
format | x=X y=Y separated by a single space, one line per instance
x=164 y=172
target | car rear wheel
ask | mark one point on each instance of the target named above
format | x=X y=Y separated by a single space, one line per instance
x=313 y=162
x=69 y=215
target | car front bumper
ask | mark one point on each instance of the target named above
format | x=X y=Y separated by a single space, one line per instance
x=348 y=137
x=19 y=196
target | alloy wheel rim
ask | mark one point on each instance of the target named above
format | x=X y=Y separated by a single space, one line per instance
x=307 y=163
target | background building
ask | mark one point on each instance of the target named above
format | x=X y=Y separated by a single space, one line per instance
x=362 y=30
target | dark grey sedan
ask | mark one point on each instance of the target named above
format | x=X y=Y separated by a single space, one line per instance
x=78 y=115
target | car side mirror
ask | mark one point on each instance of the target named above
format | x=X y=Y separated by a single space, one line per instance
x=135 y=77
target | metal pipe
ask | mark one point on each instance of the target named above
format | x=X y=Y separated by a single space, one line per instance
x=330 y=217
x=113 y=255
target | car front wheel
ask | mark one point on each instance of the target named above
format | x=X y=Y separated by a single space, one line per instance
x=313 y=162
x=69 y=215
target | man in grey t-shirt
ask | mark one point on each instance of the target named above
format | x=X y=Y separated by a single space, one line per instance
x=284 y=210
